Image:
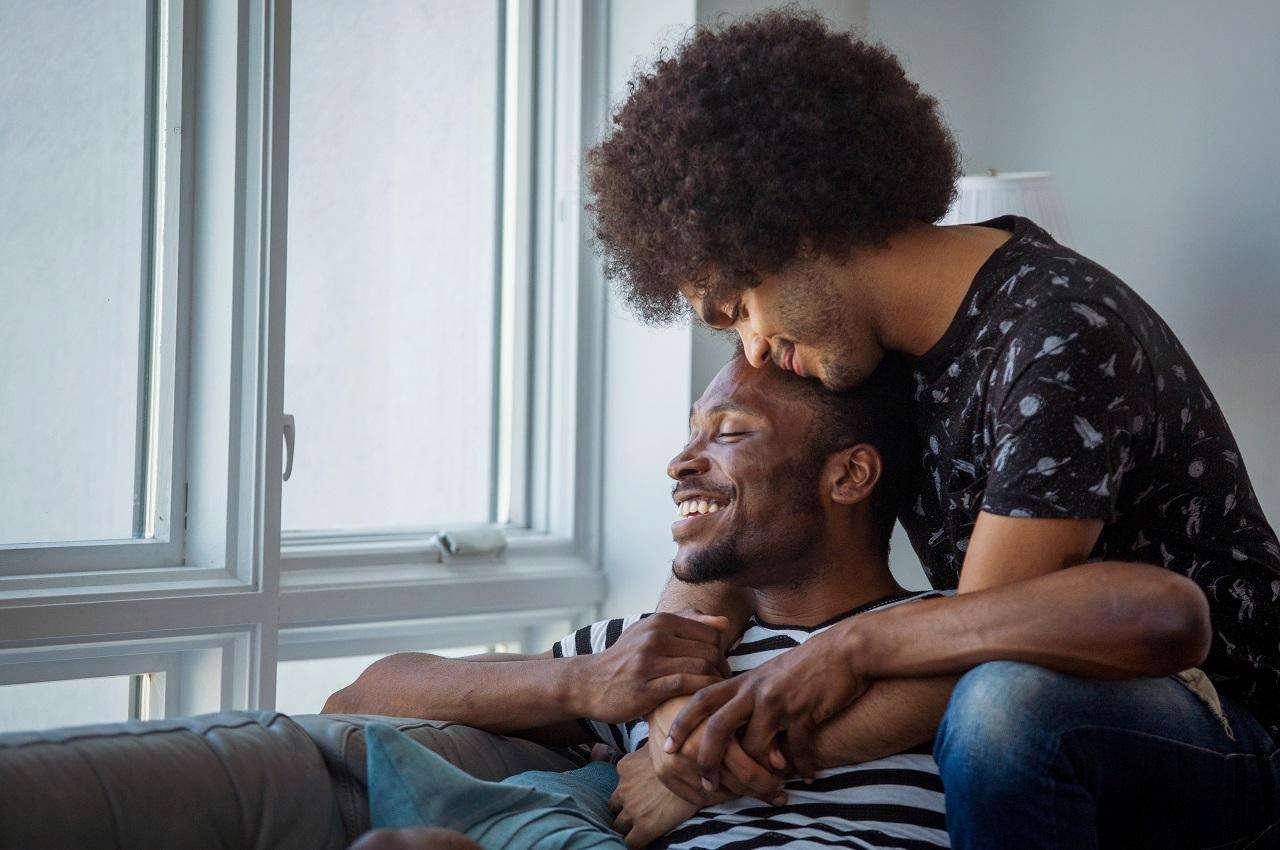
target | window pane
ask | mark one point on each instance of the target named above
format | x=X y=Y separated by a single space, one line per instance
x=303 y=686
x=72 y=142
x=393 y=185
x=76 y=702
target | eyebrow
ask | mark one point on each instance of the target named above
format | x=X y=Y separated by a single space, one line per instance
x=724 y=407
x=707 y=310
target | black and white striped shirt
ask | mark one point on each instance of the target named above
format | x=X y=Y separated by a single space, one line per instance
x=891 y=802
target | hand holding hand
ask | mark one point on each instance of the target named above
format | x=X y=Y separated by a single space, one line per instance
x=644 y=808
x=778 y=705
x=658 y=658
x=678 y=771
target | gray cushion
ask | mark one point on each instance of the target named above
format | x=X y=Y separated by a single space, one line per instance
x=340 y=739
x=232 y=780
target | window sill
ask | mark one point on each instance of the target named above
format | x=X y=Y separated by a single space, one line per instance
x=107 y=585
x=518 y=582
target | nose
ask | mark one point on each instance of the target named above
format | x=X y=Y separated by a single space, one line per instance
x=756 y=348
x=687 y=463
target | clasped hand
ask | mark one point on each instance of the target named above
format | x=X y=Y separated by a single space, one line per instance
x=657 y=659
x=735 y=736
x=769 y=714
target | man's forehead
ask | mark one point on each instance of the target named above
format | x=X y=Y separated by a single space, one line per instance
x=737 y=388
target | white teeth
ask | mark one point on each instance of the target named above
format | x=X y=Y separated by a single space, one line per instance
x=693 y=507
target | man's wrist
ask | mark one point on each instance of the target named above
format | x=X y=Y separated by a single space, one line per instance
x=660 y=718
x=571 y=685
x=861 y=648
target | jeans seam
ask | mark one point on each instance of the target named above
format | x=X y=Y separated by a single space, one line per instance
x=1053 y=800
x=1057 y=754
x=1253 y=842
x=1166 y=740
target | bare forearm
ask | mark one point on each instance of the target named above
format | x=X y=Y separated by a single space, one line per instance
x=499 y=696
x=1102 y=620
x=717 y=598
x=892 y=716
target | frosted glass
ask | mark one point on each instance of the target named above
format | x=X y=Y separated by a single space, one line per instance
x=393 y=162
x=75 y=702
x=72 y=139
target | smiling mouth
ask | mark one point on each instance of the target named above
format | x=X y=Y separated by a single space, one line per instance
x=699 y=507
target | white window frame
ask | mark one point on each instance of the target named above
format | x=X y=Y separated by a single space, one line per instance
x=232 y=599
x=538 y=306
x=157 y=539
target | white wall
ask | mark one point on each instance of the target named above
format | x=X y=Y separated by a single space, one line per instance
x=646 y=373
x=842 y=14
x=1161 y=121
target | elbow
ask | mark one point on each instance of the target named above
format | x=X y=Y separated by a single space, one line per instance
x=355 y=697
x=1182 y=628
x=340 y=702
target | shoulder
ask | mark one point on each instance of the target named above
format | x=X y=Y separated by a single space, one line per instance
x=1070 y=339
x=1051 y=325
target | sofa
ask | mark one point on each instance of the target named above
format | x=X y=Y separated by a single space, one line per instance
x=242 y=779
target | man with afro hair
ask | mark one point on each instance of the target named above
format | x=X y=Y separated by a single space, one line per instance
x=781 y=180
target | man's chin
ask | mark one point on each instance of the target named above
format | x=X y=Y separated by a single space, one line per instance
x=703 y=567
x=686 y=574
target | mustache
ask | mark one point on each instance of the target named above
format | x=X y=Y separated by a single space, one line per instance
x=778 y=352
x=691 y=485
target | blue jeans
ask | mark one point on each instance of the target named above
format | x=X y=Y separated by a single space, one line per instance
x=1036 y=759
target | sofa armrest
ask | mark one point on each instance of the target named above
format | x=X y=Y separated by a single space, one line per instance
x=235 y=780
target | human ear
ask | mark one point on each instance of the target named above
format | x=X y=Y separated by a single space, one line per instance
x=851 y=474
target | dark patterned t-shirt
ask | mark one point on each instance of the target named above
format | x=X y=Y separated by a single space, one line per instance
x=1058 y=392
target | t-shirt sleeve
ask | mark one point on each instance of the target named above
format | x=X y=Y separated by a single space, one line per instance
x=1072 y=399
x=597 y=637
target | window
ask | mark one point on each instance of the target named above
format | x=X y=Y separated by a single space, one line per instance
x=33 y=706
x=315 y=662
x=87 y=337
x=303 y=686
x=72 y=702
x=395 y=181
x=244 y=209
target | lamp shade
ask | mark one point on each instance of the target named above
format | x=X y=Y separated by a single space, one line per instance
x=1033 y=194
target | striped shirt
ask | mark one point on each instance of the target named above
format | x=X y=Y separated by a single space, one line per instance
x=891 y=802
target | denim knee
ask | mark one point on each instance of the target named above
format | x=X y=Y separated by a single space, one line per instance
x=1000 y=712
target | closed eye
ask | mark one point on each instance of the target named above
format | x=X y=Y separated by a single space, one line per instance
x=731 y=436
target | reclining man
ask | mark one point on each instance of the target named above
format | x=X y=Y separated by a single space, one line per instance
x=788 y=491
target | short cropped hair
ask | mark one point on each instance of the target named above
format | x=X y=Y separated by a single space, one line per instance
x=751 y=138
x=878 y=412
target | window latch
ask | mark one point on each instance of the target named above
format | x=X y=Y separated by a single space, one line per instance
x=473 y=542
x=290 y=431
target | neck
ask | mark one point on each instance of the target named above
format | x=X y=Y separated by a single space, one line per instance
x=914 y=286
x=826 y=588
